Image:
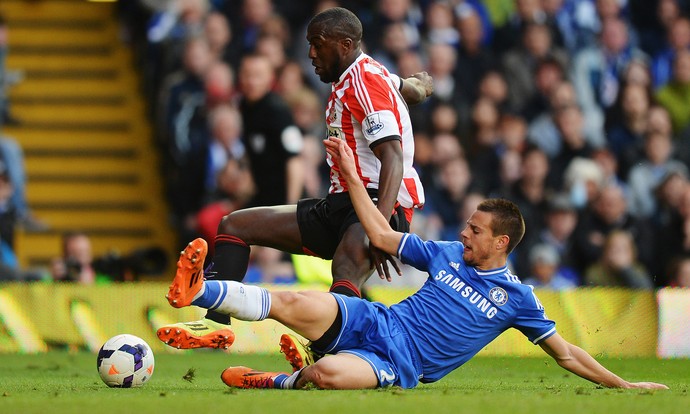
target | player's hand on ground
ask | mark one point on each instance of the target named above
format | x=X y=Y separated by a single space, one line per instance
x=380 y=259
x=648 y=385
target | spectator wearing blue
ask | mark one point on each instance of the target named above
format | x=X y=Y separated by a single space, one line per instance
x=678 y=39
x=545 y=269
x=597 y=70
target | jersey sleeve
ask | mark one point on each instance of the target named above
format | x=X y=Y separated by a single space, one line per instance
x=374 y=105
x=419 y=253
x=531 y=319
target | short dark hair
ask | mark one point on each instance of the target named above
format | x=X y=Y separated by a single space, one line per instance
x=339 y=22
x=506 y=219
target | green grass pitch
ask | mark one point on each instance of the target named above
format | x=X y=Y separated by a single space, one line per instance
x=62 y=382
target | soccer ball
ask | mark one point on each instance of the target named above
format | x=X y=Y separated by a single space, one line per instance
x=125 y=361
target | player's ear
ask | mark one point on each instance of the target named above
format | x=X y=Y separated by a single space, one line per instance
x=502 y=242
x=346 y=43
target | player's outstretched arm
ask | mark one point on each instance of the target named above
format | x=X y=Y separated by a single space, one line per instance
x=417 y=88
x=581 y=363
x=375 y=224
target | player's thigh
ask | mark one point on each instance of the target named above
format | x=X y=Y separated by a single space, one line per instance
x=274 y=226
x=341 y=371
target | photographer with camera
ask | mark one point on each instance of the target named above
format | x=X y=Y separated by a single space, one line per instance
x=76 y=262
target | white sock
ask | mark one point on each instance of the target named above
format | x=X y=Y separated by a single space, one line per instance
x=244 y=302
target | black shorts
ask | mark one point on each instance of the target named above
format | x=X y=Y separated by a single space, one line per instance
x=323 y=222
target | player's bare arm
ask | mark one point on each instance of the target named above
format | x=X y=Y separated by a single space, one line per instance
x=375 y=224
x=417 y=88
x=389 y=152
x=581 y=363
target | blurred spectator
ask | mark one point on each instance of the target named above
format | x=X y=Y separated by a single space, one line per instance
x=483 y=145
x=544 y=265
x=315 y=168
x=170 y=25
x=5 y=116
x=272 y=140
x=442 y=60
x=218 y=34
x=387 y=12
x=678 y=39
x=606 y=213
x=597 y=70
x=445 y=197
x=219 y=85
x=394 y=43
x=185 y=134
x=307 y=112
x=474 y=58
x=226 y=142
x=440 y=25
x=521 y=62
x=267 y=265
x=494 y=87
x=675 y=95
x=76 y=262
x=627 y=125
x=648 y=173
x=529 y=192
x=570 y=125
x=272 y=48
x=548 y=74
x=445 y=119
x=618 y=265
x=8 y=223
x=561 y=219
x=510 y=34
x=673 y=238
x=234 y=190
x=582 y=180
x=253 y=14
x=291 y=80
x=544 y=132
x=680 y=272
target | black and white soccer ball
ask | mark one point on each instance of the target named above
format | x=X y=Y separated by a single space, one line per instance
x=125 y=361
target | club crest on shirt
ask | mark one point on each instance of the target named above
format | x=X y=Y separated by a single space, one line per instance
x=373 y=124
x=498 y=296
x=332 y=115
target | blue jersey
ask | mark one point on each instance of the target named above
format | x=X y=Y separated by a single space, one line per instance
x=460 y=309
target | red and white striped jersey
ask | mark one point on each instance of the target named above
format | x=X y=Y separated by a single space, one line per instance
x=366 y=105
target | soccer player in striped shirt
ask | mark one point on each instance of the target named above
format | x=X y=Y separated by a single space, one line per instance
x=367 y=108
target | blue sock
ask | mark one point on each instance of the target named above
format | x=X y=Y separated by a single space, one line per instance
x=280 y=381
x=213 y=295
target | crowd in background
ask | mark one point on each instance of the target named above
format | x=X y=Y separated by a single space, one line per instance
x=577 y=110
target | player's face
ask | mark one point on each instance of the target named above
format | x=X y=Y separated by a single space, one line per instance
x=479 y=241
x=323 y=52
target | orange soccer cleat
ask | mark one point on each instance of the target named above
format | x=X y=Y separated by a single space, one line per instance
x=296 y=352
x=190 y=274
x=203 y=333
x=243 y=377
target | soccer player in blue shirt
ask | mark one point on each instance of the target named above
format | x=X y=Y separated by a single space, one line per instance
x=469 y=299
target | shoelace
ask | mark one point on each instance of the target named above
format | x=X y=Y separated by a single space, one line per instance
x=208 y=273
x=257 y=381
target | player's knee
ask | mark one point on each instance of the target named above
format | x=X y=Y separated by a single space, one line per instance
x=231 y=224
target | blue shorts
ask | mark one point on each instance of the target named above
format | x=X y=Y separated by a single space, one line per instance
x=370 y=331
